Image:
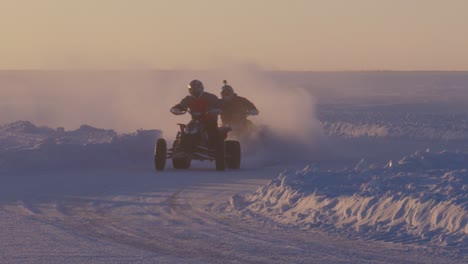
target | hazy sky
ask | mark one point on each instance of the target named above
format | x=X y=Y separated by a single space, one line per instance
x=276 y=34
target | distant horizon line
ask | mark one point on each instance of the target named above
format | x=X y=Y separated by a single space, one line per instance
x=207 y=70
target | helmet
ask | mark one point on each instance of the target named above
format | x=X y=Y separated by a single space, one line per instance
x=227 y=92
x=195 y=88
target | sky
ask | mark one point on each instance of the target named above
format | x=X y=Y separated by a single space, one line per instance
x=305 y=35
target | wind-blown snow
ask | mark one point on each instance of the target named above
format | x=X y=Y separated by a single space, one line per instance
x=423 y=198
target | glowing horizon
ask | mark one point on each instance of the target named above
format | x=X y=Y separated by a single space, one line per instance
x=278 y=35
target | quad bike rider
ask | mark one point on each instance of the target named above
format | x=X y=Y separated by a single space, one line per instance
x=204 y=108
x=201 y=138
x=235 y=110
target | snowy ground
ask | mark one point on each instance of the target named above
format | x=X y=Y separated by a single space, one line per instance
x=421 y=199
x=377 y=189
x=140 y=217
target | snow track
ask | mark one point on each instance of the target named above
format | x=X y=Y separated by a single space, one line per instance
x=171 y=217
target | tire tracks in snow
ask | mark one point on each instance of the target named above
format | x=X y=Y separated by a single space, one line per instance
x=184 y=224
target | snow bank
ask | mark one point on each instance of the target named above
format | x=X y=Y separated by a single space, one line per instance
x=423 y=198
x=394 y=124
x=24 y=146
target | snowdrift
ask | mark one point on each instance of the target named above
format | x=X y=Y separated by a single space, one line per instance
x=24 y=146
x=423 y=198
x=394 y=124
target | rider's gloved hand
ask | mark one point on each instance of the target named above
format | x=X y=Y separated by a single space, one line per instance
x=177 y=111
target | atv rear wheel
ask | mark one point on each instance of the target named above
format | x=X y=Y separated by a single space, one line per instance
x=220 y=156
x=233 y=154
x=160 y=154
x=181 y=163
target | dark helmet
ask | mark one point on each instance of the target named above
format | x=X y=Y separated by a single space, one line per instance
x=195 y=88
x=227 y=92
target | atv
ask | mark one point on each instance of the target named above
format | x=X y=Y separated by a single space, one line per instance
x=192 y=143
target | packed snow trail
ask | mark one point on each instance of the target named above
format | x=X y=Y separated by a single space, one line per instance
x=141 y=216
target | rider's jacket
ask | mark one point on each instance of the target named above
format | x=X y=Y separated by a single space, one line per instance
x=207 y=104
x=235 y=110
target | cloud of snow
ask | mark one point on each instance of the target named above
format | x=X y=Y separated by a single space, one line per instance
x=289 y=111
x=129 y=100
x=125 y=100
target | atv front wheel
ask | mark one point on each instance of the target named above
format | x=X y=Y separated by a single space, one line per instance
x=160 y=153
x=233 y=154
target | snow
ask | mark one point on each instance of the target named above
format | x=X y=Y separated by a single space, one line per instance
x=95 y=198
x=26 y=146
x=372 y=186
x=422 y=199
x=369 y=122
